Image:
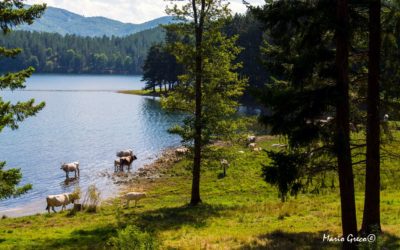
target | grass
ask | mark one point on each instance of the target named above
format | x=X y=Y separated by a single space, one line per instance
x=239 y=211
x=141 y=92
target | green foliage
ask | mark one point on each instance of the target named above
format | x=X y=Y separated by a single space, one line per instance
x=54 y=53
x=160 y=68
x=131 y=238
x=284 y=171
x=13 y=13
x=221 y=88
x=9 y=180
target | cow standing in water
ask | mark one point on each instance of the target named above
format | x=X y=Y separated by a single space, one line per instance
x=125 y=158
x=124 y=153
x=70 y=167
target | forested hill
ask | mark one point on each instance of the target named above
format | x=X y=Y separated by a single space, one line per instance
x=63 y=22
x=54 y=53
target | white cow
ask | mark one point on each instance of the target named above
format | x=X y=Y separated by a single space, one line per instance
x=252 y=145
x=251 y=139
x=259 y=149
x=70 y=167
x=126 y=152
x=133 y=196
x=386 y=118
x=181 y=151
x=59 y=200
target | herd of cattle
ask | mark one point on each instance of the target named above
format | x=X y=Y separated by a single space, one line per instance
x=124 y=158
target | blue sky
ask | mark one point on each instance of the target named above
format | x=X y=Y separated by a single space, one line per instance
x=129 y=11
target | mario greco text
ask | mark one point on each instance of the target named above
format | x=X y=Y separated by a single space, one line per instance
x=349 y=238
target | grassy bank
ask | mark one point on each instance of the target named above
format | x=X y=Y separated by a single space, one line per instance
x=141 y=92
x=239 y=211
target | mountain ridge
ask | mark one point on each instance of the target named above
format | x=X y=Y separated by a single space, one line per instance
x=61 y=21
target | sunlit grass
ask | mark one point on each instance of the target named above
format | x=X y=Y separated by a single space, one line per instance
x=141 y=92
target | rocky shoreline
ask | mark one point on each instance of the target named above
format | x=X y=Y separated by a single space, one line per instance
x=149 y=172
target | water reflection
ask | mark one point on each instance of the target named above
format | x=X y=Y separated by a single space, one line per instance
x=72 y=181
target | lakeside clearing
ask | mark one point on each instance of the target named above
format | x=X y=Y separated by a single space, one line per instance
x=239 y=211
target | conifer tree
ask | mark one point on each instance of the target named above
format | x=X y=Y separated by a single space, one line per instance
x=209 y=88
x=13 y=13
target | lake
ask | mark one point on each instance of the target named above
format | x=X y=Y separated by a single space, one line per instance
x=84 y=120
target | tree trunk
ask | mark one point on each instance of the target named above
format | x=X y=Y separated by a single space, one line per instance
x=199 y=26
x=342 y=143
x=371 y=218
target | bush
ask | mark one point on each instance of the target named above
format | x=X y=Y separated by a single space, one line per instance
x=92 y=199
x=131 y=238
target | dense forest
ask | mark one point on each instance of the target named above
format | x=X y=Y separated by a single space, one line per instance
x=54 y=53
x=161 y=69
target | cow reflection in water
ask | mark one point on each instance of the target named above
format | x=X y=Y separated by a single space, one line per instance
x=69 y=182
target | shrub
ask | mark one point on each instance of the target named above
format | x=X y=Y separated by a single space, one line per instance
x=92 y=199
x=131 y=238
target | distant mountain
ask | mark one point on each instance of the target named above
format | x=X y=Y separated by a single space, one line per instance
x=61 y=21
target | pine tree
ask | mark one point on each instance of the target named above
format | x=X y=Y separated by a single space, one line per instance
x=371 y=218
x=13 y=13
x=310 y=83
x=210 y=87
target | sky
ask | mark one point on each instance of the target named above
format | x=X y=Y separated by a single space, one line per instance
x=127 y=11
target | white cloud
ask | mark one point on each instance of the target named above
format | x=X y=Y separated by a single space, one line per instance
x=132 y=11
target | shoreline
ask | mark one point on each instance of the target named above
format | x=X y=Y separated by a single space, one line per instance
x=141 y=92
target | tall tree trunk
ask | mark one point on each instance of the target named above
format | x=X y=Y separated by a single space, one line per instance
x=199 y=26
x=348 y=208
x=371 y=218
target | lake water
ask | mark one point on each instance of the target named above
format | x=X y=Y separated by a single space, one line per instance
x=84 y=120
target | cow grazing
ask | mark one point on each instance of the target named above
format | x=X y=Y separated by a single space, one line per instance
x=224 y=164
x=181 y=151
x=133 y=196
x=259 y=149
x=386 y=118
x=70 y=167
x=251 y=139
x=252 y=145
x=124 y=153
x=60 y=200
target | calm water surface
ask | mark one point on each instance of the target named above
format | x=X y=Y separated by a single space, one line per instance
x=84 y=120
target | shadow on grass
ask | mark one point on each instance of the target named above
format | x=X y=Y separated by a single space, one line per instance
x=176 y=217
x=283 y=240
x=80 y=239
x=314 y=241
